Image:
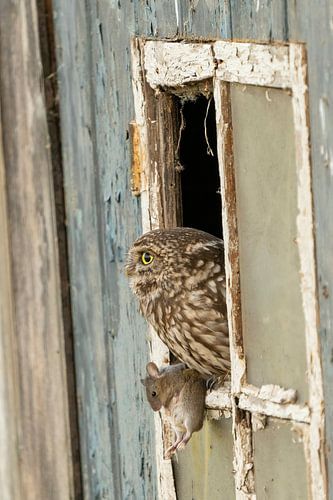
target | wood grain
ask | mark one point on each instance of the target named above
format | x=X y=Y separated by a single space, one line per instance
x=10 y=483
x=103 y=219
x=37 y=347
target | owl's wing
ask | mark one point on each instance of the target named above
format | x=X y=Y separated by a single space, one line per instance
x=198 y=331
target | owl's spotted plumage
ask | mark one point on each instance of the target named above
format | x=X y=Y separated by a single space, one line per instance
x=178 y=277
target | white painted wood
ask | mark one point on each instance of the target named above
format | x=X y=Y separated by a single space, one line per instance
x=258 y=401
x=305 y=241
x=252 y=63
x=293 y=412
x=219 y=399
x=242 y=433
x=270 y=392
x=173 y=64
x=149 y=191
x=228 y=219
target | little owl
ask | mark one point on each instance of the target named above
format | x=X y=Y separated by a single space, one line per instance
x=178 y=277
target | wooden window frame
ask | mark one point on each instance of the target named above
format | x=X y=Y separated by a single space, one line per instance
x=160 y=65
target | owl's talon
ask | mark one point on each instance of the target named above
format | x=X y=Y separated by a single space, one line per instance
x=215 y=382
x=210 y=383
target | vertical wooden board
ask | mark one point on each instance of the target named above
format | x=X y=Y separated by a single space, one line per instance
x=208 y=19
x=48 y=58
x=103 y=220
x=259 y=20
x=120 y=225
x=157 y=18
x=312 y=23
x=180 y=18
x=42 y=413
x=86 y=268
x=10 y=483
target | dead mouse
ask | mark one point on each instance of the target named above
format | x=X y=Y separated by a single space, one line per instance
x=181 y=392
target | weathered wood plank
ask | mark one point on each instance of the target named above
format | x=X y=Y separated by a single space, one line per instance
x=10 y=482
x=48 y=57
x=305 y=239
x=86 y=268
x=169 y=64
x=116 y=424
x=312 y=23
x=42 y=411
x=128 y=349
x=241 y=421
x=255 y=64
x=258 y=20
x=205 y=19
x=158 y=19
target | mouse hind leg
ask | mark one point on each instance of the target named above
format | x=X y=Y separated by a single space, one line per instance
x=185 y=439
x=170 y=451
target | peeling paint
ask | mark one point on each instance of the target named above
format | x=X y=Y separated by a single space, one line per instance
x=242 y=431
x=273 y=393
x=305 y=238
x=170 y=64
x=252 y=63
x=258 y=421
x=286 y=411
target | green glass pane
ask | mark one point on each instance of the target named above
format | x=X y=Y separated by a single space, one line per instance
x=203 y=471
x=266 y=192
x=279 y=463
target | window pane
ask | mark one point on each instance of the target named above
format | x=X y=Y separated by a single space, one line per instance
x=279 y=463
x=204 y=469
x=264 y=153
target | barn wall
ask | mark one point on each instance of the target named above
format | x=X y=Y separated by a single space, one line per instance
x=116 y=426
x=35 y=442
x=103 y=218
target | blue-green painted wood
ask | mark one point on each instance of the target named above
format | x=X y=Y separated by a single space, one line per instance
x=117 y=446
x=96 y=106
x=312 y=22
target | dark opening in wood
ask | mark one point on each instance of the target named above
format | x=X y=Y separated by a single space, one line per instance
x=200 y=181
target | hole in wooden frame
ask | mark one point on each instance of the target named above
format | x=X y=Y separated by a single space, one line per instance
x=199 y=168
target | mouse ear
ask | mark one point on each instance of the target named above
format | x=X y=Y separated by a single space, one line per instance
x=152 y=370
x=143 y=381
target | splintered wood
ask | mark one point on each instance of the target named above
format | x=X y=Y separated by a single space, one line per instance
x=136 y=159
x=305 y=239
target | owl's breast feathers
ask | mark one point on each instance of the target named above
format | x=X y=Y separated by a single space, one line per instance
x=182 y=295
x=188 y=311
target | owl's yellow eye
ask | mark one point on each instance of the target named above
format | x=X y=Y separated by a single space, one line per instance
x=147 y=258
